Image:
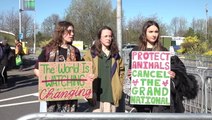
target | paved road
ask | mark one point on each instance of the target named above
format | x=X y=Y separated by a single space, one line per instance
x=20 y=98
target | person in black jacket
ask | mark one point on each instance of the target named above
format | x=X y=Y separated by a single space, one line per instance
x=4 y=62
x=182 y=84
x=60 y=49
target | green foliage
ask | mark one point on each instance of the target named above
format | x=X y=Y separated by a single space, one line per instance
x=181 y=50
x=189 y=45
x=192 y=45
x=191 y=39
x=44 y=42
x=208 y=53
x=42 y=39
x=190 y=32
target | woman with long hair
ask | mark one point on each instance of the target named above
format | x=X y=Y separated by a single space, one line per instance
x=182 y=84
x=60 y=49
x=108 y=69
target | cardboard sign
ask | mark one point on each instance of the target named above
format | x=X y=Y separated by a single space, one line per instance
x=150 y=81
x=64 y=80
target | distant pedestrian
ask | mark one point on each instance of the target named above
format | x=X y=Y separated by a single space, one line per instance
x=19 y=52
x=4 y=62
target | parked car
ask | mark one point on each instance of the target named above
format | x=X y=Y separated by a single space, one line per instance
x=128 y=47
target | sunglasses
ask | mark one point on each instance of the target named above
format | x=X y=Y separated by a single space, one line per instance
x=69 y=31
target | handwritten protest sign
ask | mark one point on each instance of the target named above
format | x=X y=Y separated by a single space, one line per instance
x=64 y=80
x=150 y=81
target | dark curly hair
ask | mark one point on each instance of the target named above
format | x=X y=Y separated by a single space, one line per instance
x=57 y=38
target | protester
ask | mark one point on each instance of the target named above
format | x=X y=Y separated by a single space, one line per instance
x=108 y=70
x=60 y=49
x=182 y=84
x=19 y=53
x=5 y=47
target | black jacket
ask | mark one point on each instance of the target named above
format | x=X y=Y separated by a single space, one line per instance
x=6 y=52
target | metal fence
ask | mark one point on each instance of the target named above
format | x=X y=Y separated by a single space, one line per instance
x=201 y=68
x=117 y=116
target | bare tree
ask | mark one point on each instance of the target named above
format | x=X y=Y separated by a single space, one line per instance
x=179 y=26
x=133 y=30
x=135 y=25
x=27 y=27
x=2 y=21
x=48 y=24
x=9 y=21
x=199 y=27
x=88 y=16
x=210 y=31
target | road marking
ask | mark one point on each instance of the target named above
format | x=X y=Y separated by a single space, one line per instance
x=17 y=97
x=14 y=104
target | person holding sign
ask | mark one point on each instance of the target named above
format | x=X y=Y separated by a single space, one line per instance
x=60 y=49
x=108 y=69
x=153 y=72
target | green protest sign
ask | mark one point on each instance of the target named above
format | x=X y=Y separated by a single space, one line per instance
x=64 y=80
x=150 y=81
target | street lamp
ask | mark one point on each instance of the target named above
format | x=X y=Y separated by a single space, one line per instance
x=206 y=10
x=119 y=24
x=20 y=35
x=126 y=36
x=27 y=5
